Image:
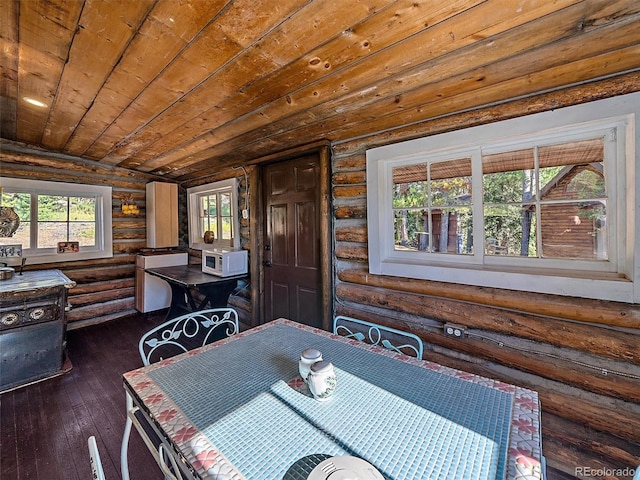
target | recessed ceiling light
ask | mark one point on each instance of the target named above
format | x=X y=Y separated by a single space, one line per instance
x=35 y=102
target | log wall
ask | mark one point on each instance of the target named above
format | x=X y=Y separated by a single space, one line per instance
x=105 y=288
x=243 y=298
x=582 y=356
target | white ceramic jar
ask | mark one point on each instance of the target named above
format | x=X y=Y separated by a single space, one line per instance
x=322 y=380
x=307 y=358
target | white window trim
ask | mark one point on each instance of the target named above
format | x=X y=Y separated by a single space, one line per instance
x=621 y=284
x=195 y=240
x=104 y=237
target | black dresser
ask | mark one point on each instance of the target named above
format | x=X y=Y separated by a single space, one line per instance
x=32 y=326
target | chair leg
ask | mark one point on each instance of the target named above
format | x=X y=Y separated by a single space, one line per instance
x=94 y=456
x=168 y=475
x=124 y=461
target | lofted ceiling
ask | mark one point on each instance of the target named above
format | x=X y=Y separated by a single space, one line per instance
x=182 y=88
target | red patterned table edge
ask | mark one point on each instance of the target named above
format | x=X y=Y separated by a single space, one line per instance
x=524 y=454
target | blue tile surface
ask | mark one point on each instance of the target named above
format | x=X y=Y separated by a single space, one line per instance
x=408 y=421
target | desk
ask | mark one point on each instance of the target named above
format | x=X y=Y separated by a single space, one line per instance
x=183 y=278
x=236 y=409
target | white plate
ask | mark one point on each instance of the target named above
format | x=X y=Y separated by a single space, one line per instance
x=345 y=468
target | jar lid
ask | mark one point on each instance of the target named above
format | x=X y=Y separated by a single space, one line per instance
x=321 y=367
x=311 y=354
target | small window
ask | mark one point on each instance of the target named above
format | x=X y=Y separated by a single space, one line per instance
x=513 y=205
x=213 y=219
x=54 y=212
x=216 y=215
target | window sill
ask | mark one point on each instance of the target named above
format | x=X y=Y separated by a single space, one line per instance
x=64 y=257
x=600 y=286
x=210 y=246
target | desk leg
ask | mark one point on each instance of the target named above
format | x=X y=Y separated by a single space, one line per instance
x=217 y=295
x=178 y=304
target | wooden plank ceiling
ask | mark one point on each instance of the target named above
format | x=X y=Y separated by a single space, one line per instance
x=183 y=88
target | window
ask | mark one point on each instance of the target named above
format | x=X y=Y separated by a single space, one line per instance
x=213 y=215
x=542 y=203
x=548 y=201
x=53 y=212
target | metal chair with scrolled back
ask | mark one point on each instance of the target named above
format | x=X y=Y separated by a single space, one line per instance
x=187 y=332
x=374 y=334
x=175 y=336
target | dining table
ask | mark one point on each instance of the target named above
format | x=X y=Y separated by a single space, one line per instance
x=238 y=409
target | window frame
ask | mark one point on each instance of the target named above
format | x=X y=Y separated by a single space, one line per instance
x=194 y=194
x=618 y=279
x=104 y=238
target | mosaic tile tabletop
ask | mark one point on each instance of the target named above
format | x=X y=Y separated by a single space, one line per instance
x=237 y=409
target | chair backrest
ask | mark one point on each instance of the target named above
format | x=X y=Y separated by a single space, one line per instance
x=187 y=332
x=391 y=338
x=94 y=458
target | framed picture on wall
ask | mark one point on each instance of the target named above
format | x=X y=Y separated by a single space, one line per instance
x=68 y=247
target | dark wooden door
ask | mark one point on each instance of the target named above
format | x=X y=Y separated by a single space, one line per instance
x=292 y=240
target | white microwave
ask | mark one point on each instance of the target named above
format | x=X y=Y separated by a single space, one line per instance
x=224 y=263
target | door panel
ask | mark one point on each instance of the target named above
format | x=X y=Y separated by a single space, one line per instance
x=291 y=258
x=280 y=309
x=305 y=306
x=306 y=235
x=277 y=183
x=279 y=237
x=306 y=177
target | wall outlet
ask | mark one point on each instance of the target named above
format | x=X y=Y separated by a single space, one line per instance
x=453 y=330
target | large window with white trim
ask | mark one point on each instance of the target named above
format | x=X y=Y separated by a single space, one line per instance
x=48 y=213
x=544 y=203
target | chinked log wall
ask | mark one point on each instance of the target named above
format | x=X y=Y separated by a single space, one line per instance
x=105 y=288
x=241 y=299
x=567 y=349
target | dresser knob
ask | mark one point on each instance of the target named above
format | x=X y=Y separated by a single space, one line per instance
x=9 y=319
x=36 y=313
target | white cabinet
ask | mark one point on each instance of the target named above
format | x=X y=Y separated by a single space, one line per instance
x=153 y=293
x=162 y=215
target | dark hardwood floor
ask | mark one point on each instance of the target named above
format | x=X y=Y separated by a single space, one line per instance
x=44 y=427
